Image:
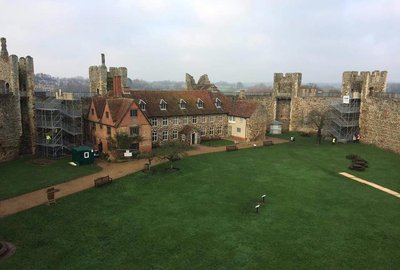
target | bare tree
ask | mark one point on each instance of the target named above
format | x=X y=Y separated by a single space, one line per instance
x=318 y=118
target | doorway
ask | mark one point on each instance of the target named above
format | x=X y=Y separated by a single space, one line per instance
x=193 y=139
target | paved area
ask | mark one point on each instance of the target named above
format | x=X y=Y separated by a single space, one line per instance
x=355 y=178
x=114 y=170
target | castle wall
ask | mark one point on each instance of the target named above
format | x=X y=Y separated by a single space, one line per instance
x=269 y=104
x=10 y=127
x=302 y=106
x=379 y=122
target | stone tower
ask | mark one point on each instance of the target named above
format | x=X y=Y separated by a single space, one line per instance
x=363 y=84
x=101 y=80
x=17 y=114
x=203 y=83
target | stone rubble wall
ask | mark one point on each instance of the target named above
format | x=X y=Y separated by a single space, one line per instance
x=10 y=127
x=379 y=122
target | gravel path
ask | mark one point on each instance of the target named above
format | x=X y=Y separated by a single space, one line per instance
x=114 y=170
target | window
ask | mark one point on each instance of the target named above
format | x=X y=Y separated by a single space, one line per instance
x=154 y=136
x=183 y=137
x=142 y=105
x=134 y=131
x=165 y=135
x=200 y=104
x=219 y=117
x=185 y=120
x=165 y=121
x=211 y=118
x=175 y=120
x=108 y=130
x=211 y=130
x=107 y=115
x=133 y=113
x=182 y=104
x=154 y=122
x=174 y=134
x=163 y=105
x=203 y=131
x=218 y=103
x=194 y=119
x=203 y=118
x=231 y=119
x=219 y=130
x=238 y=130
x=92 y=110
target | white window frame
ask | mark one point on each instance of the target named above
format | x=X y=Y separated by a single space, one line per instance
x=203 y=131
x=211 y=131
x=154 y=136
x=142 y=105
x=165 y=135
x=194 y=119
x=154 y=121
x=175 y=134
x=175 y=120
x=203 y=118
x=182 y=104
x=163 y=105
x=219 y=130
x=231 y=119
x=211 y=118
x=185 y=120
x=165 y=121
x=200 y=103
x=218 y=103
x=219 y=117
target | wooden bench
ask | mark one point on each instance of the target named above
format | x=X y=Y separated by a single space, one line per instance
x=232 y=147
x=102 y=181
x=267 y=143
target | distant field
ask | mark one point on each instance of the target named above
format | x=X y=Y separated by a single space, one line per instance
x=202 y=217
x=22 y=176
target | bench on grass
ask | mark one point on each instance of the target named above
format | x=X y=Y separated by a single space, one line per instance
x=232 y=147
x=267 y=143
x=102 y=181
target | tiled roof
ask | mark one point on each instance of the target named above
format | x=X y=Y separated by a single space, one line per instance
x=99 y=105
x=243 y=108
x=152 y=100
x=118 y=108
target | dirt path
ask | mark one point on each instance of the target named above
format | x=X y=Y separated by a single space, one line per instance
x=352 y=177
x=114 y=170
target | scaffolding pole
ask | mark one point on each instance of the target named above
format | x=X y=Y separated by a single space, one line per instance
x=344 y=124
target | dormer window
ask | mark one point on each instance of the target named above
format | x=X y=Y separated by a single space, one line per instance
x=182 y=104
x=163 y=105
x=218 y=103
x=200 y=104
x=142 y=105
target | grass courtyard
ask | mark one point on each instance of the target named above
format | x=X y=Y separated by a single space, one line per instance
x=24 y=175
x=202 y=217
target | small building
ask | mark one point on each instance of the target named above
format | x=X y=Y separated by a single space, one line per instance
x=82 y=155
x=247 y=121
x=275 y=127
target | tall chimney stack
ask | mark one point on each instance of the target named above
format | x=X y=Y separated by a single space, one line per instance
x=117 y=86
x=103 y=59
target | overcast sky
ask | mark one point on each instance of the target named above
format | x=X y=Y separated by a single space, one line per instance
x=230 y=40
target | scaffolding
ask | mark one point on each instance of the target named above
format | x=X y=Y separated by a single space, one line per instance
x=344 y=122
x=59 y=124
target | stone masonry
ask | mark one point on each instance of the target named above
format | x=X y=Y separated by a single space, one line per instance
x=17 y=117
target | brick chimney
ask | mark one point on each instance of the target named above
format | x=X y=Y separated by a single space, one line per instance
x=117 y=86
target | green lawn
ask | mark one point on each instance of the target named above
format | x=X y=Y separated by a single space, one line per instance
x=217 y=143
x=22 y=176
x=202 y=217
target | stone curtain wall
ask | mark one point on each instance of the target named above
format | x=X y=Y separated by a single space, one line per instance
x=269 y=104
x=379 y=123
x=10 y=127
x=302 y=106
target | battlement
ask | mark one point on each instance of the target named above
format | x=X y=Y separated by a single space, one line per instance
x=288 y=84
x=364 y=83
